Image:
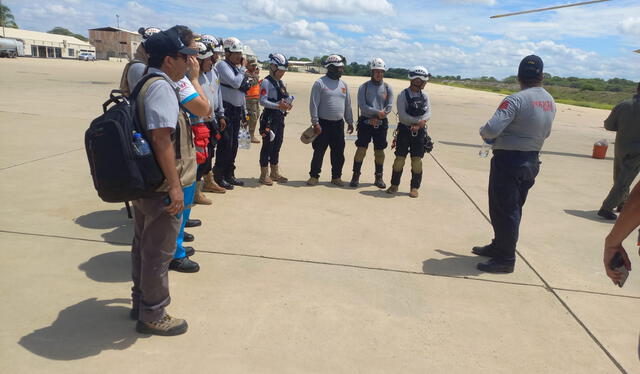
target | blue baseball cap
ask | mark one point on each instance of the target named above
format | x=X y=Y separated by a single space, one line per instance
x=530 y=67
x=166 y=43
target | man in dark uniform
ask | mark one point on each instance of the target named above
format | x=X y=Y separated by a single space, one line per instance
x=517 y=131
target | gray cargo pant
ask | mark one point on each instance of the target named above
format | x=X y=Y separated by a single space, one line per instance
x=154 y=243
x=625 y=172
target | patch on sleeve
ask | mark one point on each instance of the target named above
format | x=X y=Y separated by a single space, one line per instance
x=344 y=90
x=263 y=92
x=504 y=105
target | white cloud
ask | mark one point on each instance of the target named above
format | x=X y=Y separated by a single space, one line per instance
x=287 y=10
x=219 y=17
x=482 y=2
x=353 y=28
x=303 y=29
x=630 y=26
x=395 y=33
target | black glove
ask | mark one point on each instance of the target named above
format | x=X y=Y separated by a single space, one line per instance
x=428 y=144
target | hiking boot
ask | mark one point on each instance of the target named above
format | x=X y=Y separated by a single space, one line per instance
x=338 y=182
x=210 y=184
x=186 y=237
x=184 y=265
x=607 y=214
x=193 y=223
x=275 y=175
x=264 y=176
x=488 y=251
x=379 y=182
x=200 y=197
x=312 y=181
x=355 y=180
x=392 y=189
x=165 y=326
x=493 y=266
x=413 y=193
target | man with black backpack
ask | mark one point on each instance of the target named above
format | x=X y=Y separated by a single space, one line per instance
x=414 y=110
x=157 y=219
x=375 y=100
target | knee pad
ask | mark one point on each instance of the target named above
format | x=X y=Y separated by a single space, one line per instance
x=379 y=156
x=416 y=165
x=360 y=153
x=398 y=164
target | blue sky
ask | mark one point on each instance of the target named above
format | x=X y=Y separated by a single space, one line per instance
x=449 y=37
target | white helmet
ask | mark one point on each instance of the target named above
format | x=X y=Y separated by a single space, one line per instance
x=419 y=72
x=218 y=47
x=279 y=60
x=203 y=51
x=147 y=32
x=233 y=45
x=378 y=64
x=209 y=40
x=334 y=60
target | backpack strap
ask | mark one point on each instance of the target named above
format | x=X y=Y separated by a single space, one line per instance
x=138 y=96
x=124 y=81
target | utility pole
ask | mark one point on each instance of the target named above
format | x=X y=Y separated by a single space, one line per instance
x=118 y=20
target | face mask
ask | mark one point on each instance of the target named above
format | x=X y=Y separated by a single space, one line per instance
x=333 y=72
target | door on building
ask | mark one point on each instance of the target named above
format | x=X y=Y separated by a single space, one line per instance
x=42 y=52
x=50 y=52
x=34 y=51
x=58 y=53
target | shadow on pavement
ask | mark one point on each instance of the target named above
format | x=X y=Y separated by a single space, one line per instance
x=109 y=267
x=84 y=330
x=454 y=265
x=381 y=194
x=588 y=214
x=104 y=219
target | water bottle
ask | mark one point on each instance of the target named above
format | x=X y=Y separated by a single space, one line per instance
x=140 y=145
x=289 y=99
x=484 y=150
x=244 y=139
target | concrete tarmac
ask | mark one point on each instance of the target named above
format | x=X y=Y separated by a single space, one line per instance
x=299 y=279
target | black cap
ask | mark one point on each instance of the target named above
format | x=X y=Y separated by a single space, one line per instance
x=167 y=43
x=530 y=67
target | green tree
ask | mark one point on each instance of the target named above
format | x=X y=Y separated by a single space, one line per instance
x=62 y=31
x=6 y=18
x=293 y=58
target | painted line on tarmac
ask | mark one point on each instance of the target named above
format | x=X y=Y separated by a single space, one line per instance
x=41 y=158
x=544 y=281
x=315 y=262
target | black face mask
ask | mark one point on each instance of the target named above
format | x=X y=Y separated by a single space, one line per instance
x=334 y=72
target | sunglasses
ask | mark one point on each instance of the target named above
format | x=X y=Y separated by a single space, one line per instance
x=183 y=56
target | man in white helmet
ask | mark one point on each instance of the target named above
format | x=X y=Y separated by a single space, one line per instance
x=330 y=106
x=375 y=100
x=414 y=110
x=235 y=84
x=276 y=102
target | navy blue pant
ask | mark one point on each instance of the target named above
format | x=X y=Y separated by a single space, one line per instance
x=512 y=174
x=332 y=136
x=228 y=145
x=270 y=152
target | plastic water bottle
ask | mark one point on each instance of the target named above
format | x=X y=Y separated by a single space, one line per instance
x=244 y=139
x=484 y=150
x=289 y=99
x=140 y=145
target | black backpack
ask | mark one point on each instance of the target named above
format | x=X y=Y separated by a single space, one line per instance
x=119 y=175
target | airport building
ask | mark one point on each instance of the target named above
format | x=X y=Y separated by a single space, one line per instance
x=112 y=42
x=45 y=45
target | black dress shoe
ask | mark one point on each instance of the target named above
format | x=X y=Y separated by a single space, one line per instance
x=190 y=251
x=493 y=266
x=184 y=265
x=234 y=181
x=487 y=251
x=224 y=184
x=193 y=223
x=607 y=214
x=186 y=237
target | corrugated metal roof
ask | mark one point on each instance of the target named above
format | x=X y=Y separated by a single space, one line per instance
x=42 y=36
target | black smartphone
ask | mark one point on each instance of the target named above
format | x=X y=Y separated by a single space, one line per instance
x=617 y=264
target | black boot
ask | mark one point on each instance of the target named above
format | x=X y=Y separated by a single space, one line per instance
x=233 y=181
x=379 y=182
x=355 y=180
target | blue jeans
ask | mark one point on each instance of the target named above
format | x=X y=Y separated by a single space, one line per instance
x=512 y=174
x=189 y=194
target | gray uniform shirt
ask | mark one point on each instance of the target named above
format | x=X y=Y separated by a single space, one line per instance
x=269 y=95
x=218 y=108
x=401 y=104
x=372 y=98
x=625 y=120
x=522 y=122
x=161 y=106
x=330 y=100
x=136 y=71
x=227 y=76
